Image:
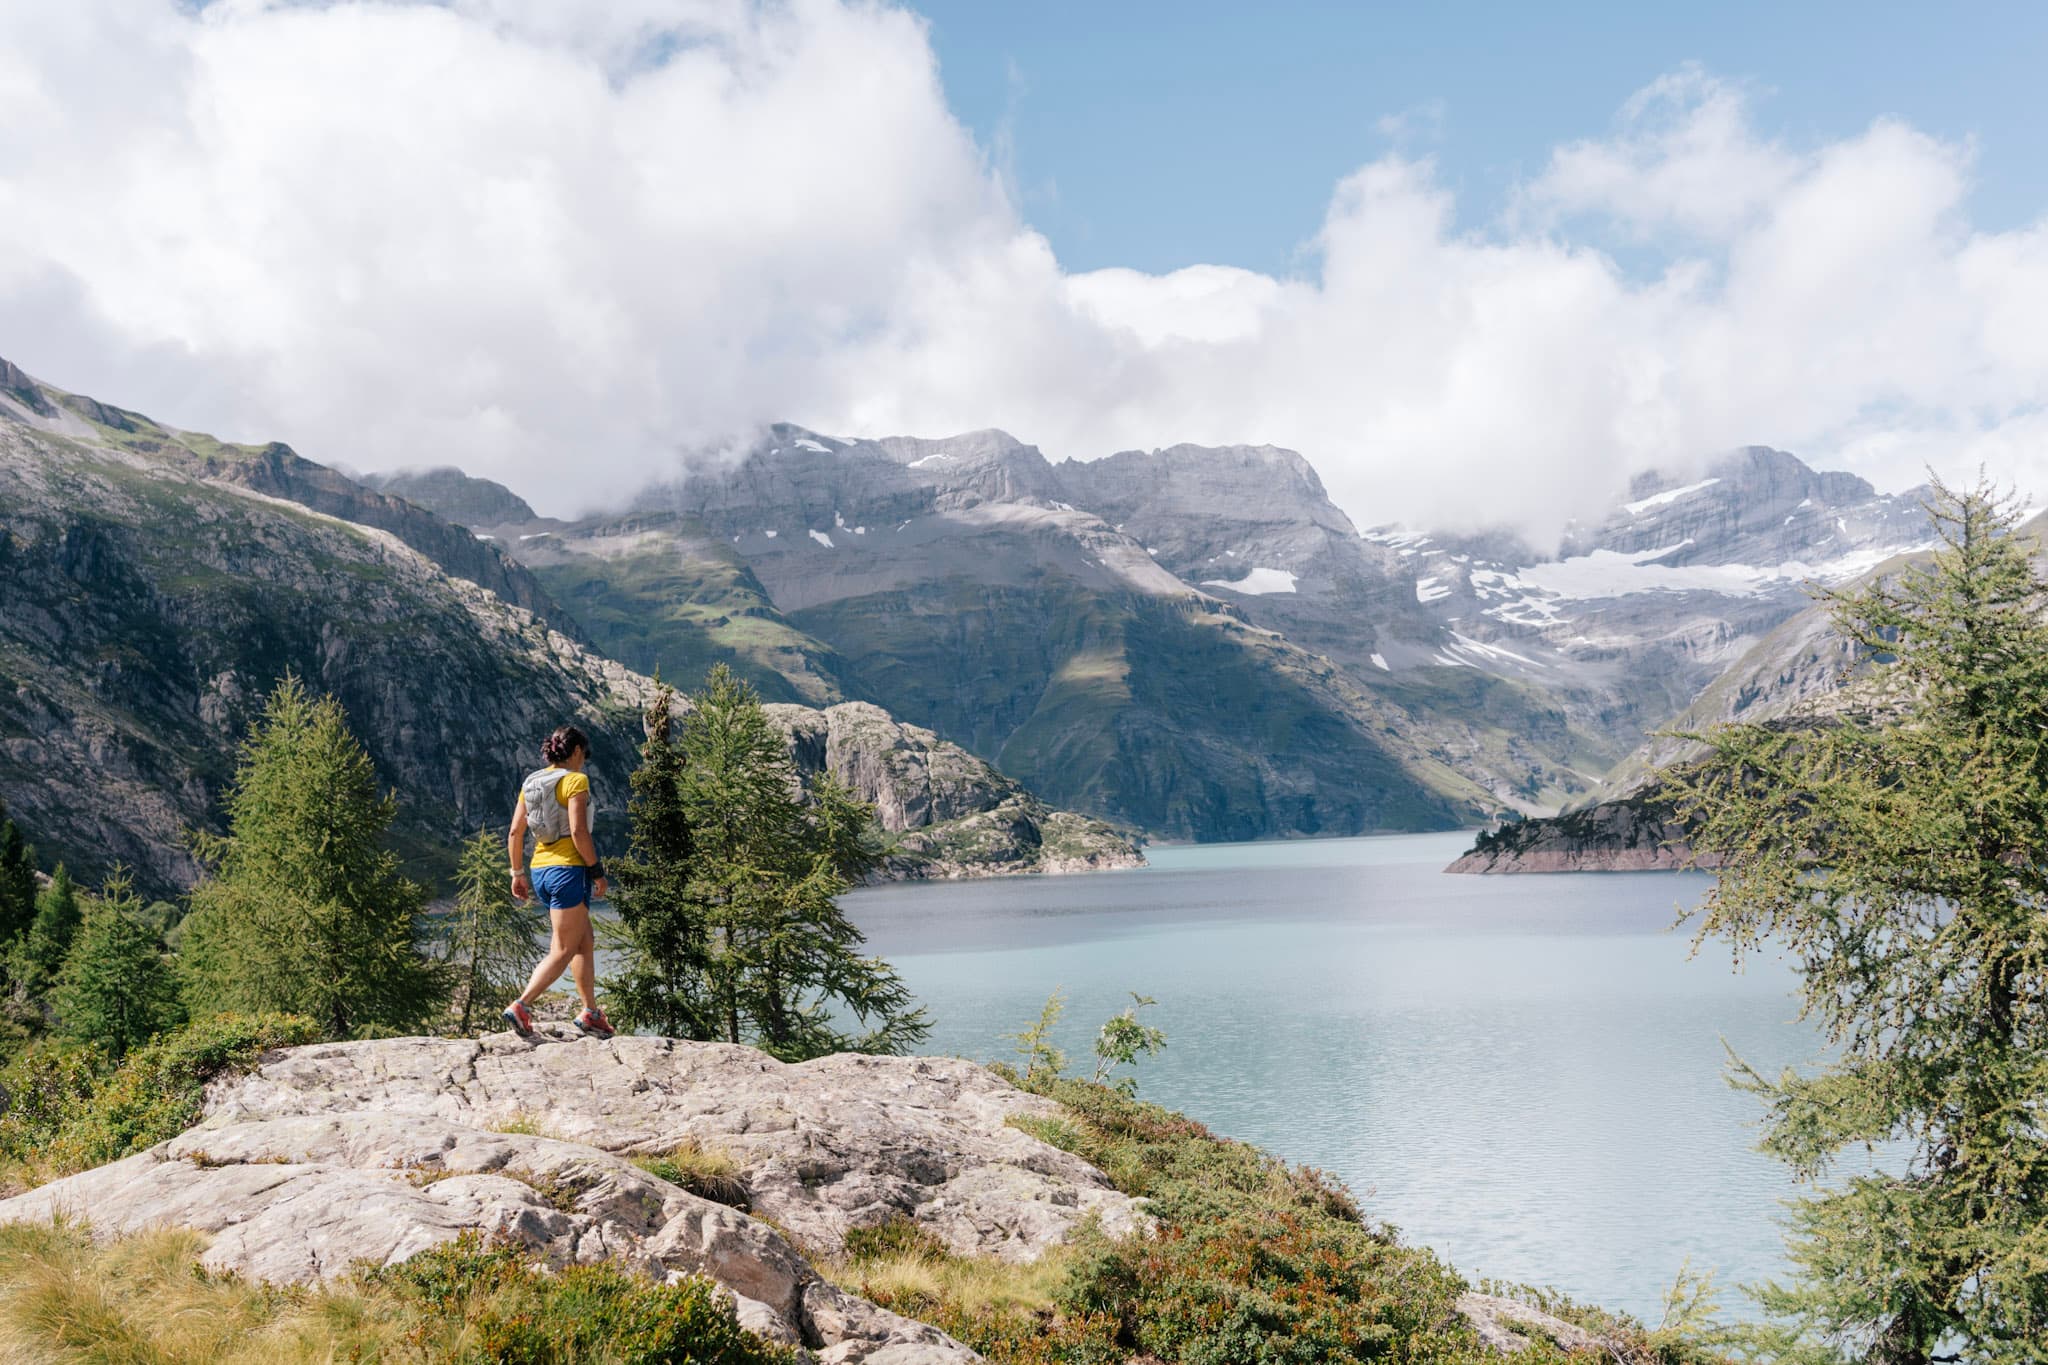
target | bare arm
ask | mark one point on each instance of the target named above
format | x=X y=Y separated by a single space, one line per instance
x=579 y=832
x=515 y=845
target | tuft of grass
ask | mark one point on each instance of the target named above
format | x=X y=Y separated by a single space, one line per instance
x=144 y=1298
x=523 y=1124
x=1008 y=1312
x=707 y=1172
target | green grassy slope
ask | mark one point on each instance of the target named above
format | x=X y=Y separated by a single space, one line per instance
x=679 y=601
x=1156 y=710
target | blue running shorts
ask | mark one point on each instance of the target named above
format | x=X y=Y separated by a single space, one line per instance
x=558 y=888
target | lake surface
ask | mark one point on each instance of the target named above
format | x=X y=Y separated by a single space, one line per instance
x=1524 y=1073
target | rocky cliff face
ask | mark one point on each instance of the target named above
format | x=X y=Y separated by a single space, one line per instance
x=158 y=585
x=957 y=583
x=956 y=816
x=1757 y=506
x=454 y=496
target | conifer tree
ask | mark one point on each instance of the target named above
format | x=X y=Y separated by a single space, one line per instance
x=492 y=939
x=661 y=984
x=779 y=962
x=115 y=987
x=42 y=951
x=1899 y=859
x=304 y=910
x=17 y=881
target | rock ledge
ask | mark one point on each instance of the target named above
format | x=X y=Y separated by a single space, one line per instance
x=337 y=1154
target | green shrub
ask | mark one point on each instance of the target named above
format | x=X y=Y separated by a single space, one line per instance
x=71 y=1109
x=516 y=1315
x=1252 y=1261
x=899 y=1237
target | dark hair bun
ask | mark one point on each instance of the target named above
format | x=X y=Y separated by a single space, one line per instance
x=562 y=743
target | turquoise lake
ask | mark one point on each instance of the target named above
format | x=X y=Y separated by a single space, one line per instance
x=1524 y=1073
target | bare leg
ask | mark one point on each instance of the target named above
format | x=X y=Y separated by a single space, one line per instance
x=584 y=964
x=571 y=930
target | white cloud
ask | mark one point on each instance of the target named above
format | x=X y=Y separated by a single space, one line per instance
x=1683 y=158
x=564 y=249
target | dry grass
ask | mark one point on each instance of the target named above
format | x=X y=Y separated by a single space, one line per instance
x=707 y=1172
x=523 y=1125
x=970 y=1285
x=906 y=1268
x=142 y=1300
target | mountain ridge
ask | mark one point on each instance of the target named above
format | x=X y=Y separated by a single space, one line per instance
x=160 y=582
x=1499 y=677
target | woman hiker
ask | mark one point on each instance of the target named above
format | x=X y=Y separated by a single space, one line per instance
x=554 y=803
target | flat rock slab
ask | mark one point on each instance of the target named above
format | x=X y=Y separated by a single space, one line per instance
x=334 y=1156
x=1509 y=1327
x=824 y=1147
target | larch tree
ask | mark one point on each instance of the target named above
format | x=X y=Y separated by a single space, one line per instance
x=303 y=910
x=115 y=988
x=41 y=952
x=1899 y=854
x=662 y=983
x=756 y=922
x=17 y=881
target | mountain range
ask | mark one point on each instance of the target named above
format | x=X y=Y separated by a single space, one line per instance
x=1185 y=643
x=158 y=582
x=1800 y=673
x=1196 y=641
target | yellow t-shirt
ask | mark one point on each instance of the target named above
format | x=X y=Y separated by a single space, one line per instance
x=562 y=852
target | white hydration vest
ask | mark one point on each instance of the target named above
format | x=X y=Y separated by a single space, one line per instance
x=546 y=816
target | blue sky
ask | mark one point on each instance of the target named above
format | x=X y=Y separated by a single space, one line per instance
x=1157 y=135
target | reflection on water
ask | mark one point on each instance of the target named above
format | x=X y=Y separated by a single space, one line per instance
x=1522 y=1072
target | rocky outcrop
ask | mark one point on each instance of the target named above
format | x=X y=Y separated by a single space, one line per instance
x=1509 y=1327
x=454 y=496
x=823 y=1147
x=1632 y=835
x=955 y=815
x=328 y=1157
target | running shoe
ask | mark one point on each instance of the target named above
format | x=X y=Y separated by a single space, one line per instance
x=520 y=1018
x=595 y=1024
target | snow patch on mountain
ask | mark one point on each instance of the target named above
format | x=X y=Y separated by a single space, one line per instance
x=1610 y=573
x=1467 y=645
x=1258 y=582
x=1669 y=495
